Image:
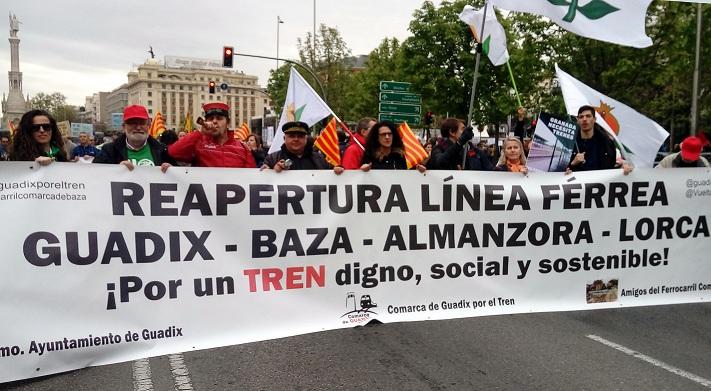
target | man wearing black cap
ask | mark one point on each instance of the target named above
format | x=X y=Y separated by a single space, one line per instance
x=135 y=147
x=214 y=145
x=297 y=152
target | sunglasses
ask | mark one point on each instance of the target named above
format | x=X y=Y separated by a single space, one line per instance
x=38 y=127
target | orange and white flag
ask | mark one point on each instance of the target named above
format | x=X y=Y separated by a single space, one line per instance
x=327 y=142
x=414 y=152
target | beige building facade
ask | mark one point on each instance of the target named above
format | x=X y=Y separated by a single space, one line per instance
x=181 y=85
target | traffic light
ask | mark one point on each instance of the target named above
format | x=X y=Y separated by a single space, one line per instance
x=428 y=118
x=227 y=56
x=211 y=87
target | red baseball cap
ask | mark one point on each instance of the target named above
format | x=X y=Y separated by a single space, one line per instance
x=691 y=148
x=216 y=108
x=135 y=111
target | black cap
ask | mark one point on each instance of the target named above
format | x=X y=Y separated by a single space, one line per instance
x=295 y=127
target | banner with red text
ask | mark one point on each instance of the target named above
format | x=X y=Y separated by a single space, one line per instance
x=103 y=265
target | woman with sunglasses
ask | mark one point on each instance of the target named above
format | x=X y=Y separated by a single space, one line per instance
x=38 y=139
x=384 y=149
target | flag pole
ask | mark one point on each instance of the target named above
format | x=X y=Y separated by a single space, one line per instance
x=513 y=82
x=476 y=67
x=695 y=87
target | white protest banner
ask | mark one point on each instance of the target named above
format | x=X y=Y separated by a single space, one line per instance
x=198 y=258
x=552 y=146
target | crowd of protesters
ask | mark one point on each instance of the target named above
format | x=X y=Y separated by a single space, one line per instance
x=373 y=145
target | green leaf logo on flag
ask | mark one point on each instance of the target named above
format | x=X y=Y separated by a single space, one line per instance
x=593 y=10
x=487 y=44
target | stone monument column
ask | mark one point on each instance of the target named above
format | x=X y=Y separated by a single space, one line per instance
x=15 y=105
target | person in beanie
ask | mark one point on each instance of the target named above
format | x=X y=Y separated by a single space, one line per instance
x=297 y=152
x=214 y=145
x=135 y=147
x=690 y=155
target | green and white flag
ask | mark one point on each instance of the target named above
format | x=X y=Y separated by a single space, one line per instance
x=638 y=136
x=617 y=21
x=302 y=104
x=494 y=42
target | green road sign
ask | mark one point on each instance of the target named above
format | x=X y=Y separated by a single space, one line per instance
x=399 y=108
x=395 y=86
x=400 y=118
x=400 y=97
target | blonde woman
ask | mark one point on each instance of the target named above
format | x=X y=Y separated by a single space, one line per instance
x=513 y=158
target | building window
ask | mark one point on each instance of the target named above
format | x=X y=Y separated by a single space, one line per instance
x=150 y=111
x=180 y=88
x=150 y=85
x=149 y=75
x=150 y=103
x=150 y=93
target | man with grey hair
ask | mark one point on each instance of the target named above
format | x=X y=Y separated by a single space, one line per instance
x=136 y=147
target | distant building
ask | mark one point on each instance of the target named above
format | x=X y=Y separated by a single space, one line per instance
x=116 y=101
x=180 y=87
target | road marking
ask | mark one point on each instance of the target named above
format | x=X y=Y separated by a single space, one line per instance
x=653 y=361
x=180 y=372
x=142 y=375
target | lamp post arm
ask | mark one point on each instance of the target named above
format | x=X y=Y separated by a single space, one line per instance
x=320 y=86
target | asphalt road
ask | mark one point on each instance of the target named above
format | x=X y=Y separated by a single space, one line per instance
x=648 y=348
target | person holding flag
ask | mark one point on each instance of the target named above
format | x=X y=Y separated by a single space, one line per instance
x=297 y=151
x=448 y=154
x=214 y=145
x=594 y=149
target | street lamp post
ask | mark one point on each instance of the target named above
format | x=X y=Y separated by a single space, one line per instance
x=279 y=21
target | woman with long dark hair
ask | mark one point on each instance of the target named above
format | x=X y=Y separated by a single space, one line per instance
x=384 y=149
x=38 y=139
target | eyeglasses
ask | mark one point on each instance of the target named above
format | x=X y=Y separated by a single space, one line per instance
x=38 y=127
x=385 y=134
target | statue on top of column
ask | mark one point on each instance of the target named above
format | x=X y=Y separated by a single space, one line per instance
x=14 y=25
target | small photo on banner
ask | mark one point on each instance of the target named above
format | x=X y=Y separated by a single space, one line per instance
x=600 y=291
x=552 y=144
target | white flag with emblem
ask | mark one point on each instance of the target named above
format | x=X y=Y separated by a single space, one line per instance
x=494 y=42
x=639 y=136
x=302 y=104
x=617 y=21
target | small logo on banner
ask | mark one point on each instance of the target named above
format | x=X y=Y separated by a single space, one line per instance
x=600 y=292
x=361 y=309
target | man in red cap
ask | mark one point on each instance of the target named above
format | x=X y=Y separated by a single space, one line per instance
x=214 y=145
x=690 y=155
x=135 y=147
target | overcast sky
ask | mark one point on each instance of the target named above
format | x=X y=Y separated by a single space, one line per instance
x=79 y=47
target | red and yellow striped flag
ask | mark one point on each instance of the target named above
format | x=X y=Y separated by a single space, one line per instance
x=11 y=126
x=243 y=132
x=414 y=152
x=327 y=142
x=157 y=126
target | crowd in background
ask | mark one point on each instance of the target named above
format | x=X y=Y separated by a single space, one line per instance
x=372 y=145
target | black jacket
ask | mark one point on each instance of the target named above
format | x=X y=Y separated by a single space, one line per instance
x=446 y=155
x=606 y=151
x=115 y=152
x=395 y=160
x=310 y=160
